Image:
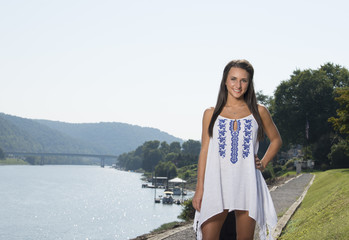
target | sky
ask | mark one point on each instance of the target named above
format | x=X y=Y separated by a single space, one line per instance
x=155 y=63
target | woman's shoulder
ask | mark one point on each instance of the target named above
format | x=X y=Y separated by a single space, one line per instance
x=263 y=110
x=208 y=113
x=209 y=110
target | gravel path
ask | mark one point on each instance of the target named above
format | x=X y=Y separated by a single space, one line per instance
x=283 y=197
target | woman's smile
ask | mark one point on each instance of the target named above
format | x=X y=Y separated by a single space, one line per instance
x=237 y=82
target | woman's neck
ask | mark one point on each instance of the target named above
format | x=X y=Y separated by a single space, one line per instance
x=234 y=102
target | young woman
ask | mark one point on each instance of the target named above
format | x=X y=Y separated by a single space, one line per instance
x=229 y=171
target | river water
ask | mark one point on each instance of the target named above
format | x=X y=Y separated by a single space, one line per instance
x=77 y=202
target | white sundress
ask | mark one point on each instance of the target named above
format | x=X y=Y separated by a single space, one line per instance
x=231 y=180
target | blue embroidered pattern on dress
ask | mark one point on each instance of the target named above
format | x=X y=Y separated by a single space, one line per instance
x=247 y=138
x=234 y=140
x=221 y=137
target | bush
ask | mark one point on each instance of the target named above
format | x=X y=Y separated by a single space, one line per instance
x=187 y=174
x=339 y=154
x=277 y=169
x=188 y=211
x=324 y=167
x=266 y=174
x=289 y=165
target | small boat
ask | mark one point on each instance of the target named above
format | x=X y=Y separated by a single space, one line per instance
x=176 y=191
x=168 y=198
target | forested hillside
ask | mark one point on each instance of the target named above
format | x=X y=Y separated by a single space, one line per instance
x=28 y=135
x=110 y=137
x=25 y=135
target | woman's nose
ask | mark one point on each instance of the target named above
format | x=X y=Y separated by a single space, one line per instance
x=238 y=84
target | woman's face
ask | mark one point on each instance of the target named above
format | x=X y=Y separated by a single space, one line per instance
x=237 y=82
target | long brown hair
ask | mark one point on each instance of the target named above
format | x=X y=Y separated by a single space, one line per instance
x=249 y=96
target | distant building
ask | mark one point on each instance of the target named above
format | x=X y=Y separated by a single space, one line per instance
x=293 y=152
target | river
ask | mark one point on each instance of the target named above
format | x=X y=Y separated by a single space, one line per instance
x=77 y=202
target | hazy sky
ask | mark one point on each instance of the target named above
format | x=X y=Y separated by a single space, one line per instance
x=155 y=63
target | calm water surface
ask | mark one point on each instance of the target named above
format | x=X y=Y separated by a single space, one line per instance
x=77 y=202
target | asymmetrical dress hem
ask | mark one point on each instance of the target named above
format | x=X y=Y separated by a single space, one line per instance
x=231 y=180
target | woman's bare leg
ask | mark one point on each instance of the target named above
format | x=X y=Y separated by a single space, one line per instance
x=212 y=227
x=244 y=225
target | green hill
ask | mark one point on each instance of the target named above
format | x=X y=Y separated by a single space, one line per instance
x=324 y=212
x=110 y=137
x=28 y=135
x=25 y=135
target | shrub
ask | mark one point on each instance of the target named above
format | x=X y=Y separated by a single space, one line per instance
x=277 y=169
x=188 y=211
x=339 y=155
x=324 y=167
x=266 y=174
x=289 y=165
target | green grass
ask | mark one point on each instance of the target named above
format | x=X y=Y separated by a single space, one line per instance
x=289 y=173
x=12 y=161
x=324 y=212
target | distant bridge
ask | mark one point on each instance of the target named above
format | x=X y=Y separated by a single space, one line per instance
x=102 y=157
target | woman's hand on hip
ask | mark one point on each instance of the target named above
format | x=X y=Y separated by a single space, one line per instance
x=259 y=163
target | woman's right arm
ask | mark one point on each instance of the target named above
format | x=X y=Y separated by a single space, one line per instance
x=205 y=139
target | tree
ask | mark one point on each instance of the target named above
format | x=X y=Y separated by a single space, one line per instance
x=148 y=145
x=151 y=155
x=175 y=147
x=338 y=75
x=166 y=169
x=164 y=148
x=134 y=163
x=191 y=147
x=305 y=100
x=151 y=159
x=339 y=154
x=303 y=104
x=264 y=99
x=341 y=123
x=171 y=156
x=121 y=161
x=139 y=151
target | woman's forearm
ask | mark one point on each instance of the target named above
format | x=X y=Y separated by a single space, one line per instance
x=272 y=150
x=201 y=170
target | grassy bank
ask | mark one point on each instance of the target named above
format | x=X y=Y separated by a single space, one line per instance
x=324 y=212
x=12 y=161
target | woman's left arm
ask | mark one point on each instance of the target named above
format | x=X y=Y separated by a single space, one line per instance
x=273 y=134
